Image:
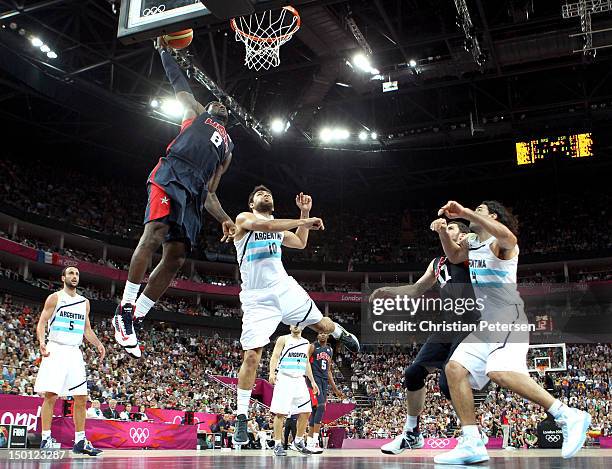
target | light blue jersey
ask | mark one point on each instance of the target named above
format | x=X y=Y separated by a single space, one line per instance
x=259 y=256
x=67 y=324
x=493 y=279
x=294 y=357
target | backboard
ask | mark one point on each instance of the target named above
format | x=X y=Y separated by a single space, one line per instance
x=140 y=20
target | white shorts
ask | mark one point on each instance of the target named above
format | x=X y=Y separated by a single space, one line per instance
x=482 y=358
x=62 y=372
x=291 y=396
x=263 y=310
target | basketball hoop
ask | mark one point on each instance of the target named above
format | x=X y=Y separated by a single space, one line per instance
x=541 y=369
x=264 y=33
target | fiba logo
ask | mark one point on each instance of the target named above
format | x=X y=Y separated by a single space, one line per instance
x=552 y=438
x=435 y=443
x=139 y=435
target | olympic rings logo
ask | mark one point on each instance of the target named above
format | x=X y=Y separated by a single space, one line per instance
x=553 y=438
x=139 y=435
x=438 y=443
x=154 y=10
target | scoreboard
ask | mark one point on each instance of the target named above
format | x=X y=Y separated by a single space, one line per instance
x=565 y=146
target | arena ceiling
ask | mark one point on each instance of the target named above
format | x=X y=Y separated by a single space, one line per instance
x=531 y=82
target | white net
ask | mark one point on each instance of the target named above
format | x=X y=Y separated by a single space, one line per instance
x=263 y=34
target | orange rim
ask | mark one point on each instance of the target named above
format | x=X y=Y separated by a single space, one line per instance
x=252 y=37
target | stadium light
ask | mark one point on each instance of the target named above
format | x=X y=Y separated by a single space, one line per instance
x=45 y=48
x=374 y=136
x=36 y=42
x=412 y=63
x=363 y=135
x=154 y=103
x=326 y=135
x=341 y=134
x=362 y=62
x=279 y=126
x=52 y=55
x=172 y=107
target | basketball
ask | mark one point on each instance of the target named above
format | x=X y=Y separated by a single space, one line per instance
x=180 y=39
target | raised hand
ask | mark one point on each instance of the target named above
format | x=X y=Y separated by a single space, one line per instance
x=438 y=225
x=229 y=231
x=304 y=202
x=452 y=209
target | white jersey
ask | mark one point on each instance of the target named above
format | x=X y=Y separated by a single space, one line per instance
x=259 y=256
x=493 y=279
x=67 y=324
x=294 y=357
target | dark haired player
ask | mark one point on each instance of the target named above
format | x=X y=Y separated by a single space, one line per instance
x=454 y=281
x=498 y=355
x=321 y=355
x=268 y=294
x=183 y=182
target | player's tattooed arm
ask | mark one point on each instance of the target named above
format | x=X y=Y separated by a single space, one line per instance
x=213 y=205
x=455 y=253
x=278 y=348
x=45 y=316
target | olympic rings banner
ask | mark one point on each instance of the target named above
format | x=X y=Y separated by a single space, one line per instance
x=430 y=443
x=127 y=435
x=201 y=419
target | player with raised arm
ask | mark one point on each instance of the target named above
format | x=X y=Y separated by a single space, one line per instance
x=183 y=182
x=499 y=356
x=62 y=369
x=269 y=295
x=454 y=282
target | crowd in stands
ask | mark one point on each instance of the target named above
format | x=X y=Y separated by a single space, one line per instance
x=401 y=236
x=378 y=374
x=180 y=364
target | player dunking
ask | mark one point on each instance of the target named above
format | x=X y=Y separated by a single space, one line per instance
x=321 y=355
x=454 y=281
x=269 y=295
x=184 y=181
x=62 y=369
x=498 y=356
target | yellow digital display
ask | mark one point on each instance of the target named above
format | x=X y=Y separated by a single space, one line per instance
x=564 y=146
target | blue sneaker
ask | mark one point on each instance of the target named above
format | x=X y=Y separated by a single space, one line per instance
x=49 y=443
x=467 y=451
x=85 y=447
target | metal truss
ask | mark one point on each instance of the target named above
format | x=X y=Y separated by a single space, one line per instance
x=465 y=22
x=583 y=9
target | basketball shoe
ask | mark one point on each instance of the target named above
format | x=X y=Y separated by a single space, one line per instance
x=49 y=443
x=279 y=450
x=241 y=436
x=124 y=329
x=85 y=447
x=349 y=340
x=406 y=440
x=313 y=446
x=574 y=424
x=469 y=450
x=300 y=447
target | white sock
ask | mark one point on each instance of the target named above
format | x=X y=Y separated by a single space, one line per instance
x=298 y=439
x=46 y=434
x=557 y=409
x=338 y=330
x=130 y=292
x=143 y=306
x=278 y=443
x=309 y=441
x=411 y=423
x=78 y=436
x=242 y=400
x=471 y=431
x=315 y=438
